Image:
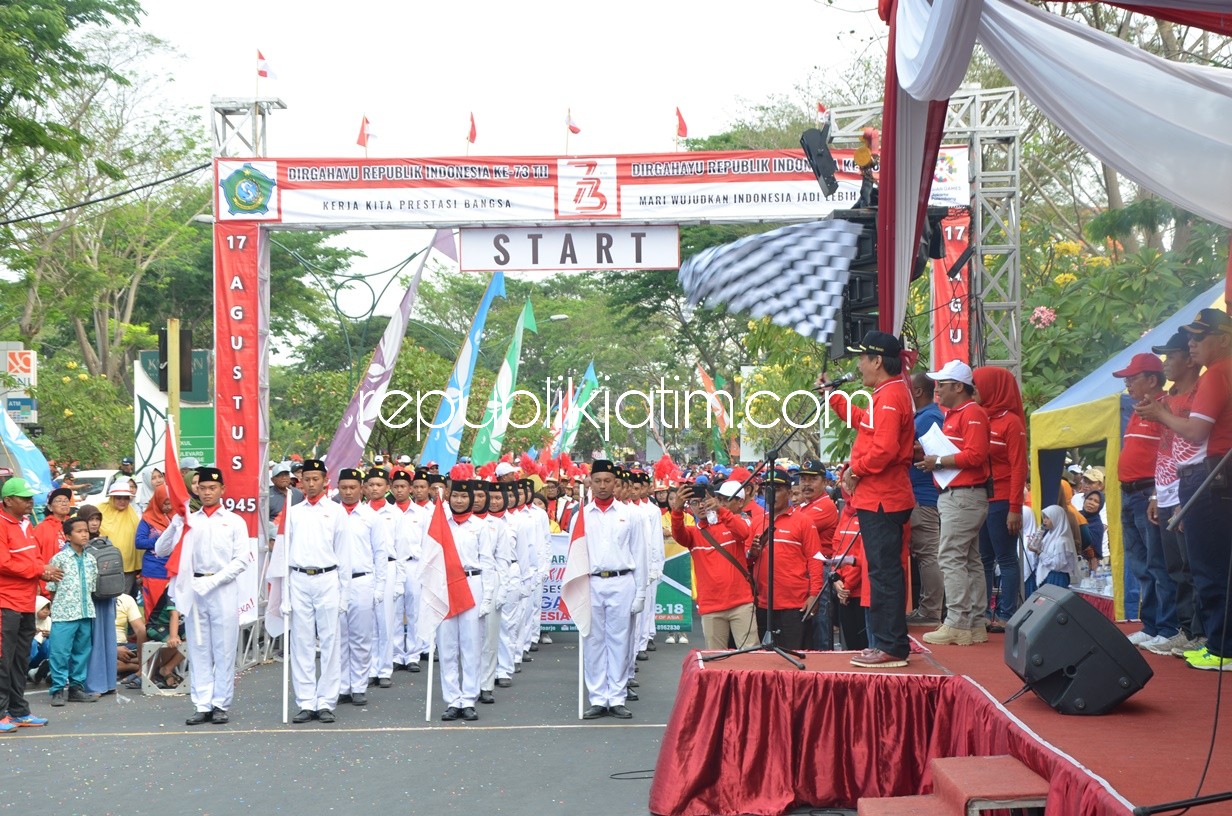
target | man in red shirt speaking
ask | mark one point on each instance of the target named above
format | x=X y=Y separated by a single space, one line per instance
x=881 y=490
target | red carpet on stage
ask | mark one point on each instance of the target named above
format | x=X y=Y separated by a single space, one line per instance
x=752 y=735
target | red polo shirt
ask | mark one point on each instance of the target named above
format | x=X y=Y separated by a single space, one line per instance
x=823 y=515
x=21 y=564
x=883 y=447
x=1139 y=447
x=967 y=427
x=797 y=574
x=720 y=586
x=1007 y=454
x=1213 y=402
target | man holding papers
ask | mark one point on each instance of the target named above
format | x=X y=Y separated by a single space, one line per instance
x=959 y=464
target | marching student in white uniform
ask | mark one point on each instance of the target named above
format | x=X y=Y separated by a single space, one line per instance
x=496 y=649
x=459 y=639
x=543 y=562
x=369 y=555
x=315 y=547
x=617 y=550
x=518 y=613
x=216 y=551
x=388 y=595
x=654 y=538
x=409 y=540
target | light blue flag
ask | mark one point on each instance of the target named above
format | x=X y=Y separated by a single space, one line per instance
x=31 y=463
x=445 y=437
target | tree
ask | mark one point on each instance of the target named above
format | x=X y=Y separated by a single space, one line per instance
x=84 y=416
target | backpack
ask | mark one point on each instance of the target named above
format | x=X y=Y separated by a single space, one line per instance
x=111 y=578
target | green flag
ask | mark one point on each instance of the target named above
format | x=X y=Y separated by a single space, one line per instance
x=491 y=434
x=590 y=384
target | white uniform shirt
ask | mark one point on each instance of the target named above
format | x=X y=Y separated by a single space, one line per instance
x=369 y=539
x=410 y=528
x=543 y=539
x=216 y=544
x=318 y=540
x=473 y=540
x=504 y=552
x=615 y=539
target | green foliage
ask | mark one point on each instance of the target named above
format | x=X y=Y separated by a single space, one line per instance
x=84 y=416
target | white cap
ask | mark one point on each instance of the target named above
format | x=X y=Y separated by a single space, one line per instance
x=281 y=467
x=121 y=488
x=955 y=370
x=189 y=462
x=730 y=489
x=504 y=469
x=404 y=459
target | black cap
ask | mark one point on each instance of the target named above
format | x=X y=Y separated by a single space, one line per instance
x=399 y=476
x=314 y=466
x=1210 y=320
x=60 y=491
x=376 y=473
x=603 y=466
x=1177 y=342
x=296 y=467
x=878 y=342
x=127 y=460
x=354 y=474
x=777 y=476
x=463 y=485
x=436 y=478
x=421 y=475
x=812 y=467
x=209 y=474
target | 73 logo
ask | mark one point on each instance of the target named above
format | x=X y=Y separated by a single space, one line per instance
x=587 y=188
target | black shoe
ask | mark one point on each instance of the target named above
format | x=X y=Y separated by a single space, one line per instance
x=620 y=712
x=526 y=658
x=304 y=716
x=219 y=717
x=359 y=699
x=199 y=718
x=469 y=714
x=413 y=668
x=399 y=667
x=325 y=715
x=487 y=697
x=517 y=668
x=632 y=684
x=594 y=712
x=385 y=682
x=504 y=682
x=452 y=713
x=423 y=656
x=643 y=656
x=651 y=647
x=372 y=681
x=344 y=698
x=80 y=695
x=630 y=694
x=545 y=638
x=534 y=647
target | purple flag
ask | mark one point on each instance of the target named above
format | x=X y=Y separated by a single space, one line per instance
x=356 y=426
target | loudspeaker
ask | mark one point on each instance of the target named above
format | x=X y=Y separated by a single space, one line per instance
x=1070 y=655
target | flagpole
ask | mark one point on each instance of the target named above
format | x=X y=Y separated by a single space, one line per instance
x=286 y=611
x=428 y=696
x=568 y=122
x=581 y=676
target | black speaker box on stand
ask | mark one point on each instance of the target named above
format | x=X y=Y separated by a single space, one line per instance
x=1070 y=655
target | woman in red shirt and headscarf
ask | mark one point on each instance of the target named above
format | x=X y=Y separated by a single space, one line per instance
x=155 y=519
x=996 y=390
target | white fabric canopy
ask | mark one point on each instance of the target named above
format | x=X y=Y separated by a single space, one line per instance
x=934 y=45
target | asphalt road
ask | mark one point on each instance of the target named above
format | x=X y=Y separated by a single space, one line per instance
x=527 y=754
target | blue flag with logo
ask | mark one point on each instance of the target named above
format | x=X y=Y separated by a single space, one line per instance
x=30 y=461
x=445 y=437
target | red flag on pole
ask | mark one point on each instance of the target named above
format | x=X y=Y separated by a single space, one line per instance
x=682 y=130
x=821 y=109
x=446 y=592
x=263 y=67
x=365 y=133
x=573 y=128
x=575 y=583
x=178 y=491
x=470 y=135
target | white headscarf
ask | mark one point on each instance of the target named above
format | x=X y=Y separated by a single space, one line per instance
x=145 y=488
x=1057 y=548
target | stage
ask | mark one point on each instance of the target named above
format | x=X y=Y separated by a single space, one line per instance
x=752 y=735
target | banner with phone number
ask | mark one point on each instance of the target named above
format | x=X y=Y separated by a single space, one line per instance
x=673 y=604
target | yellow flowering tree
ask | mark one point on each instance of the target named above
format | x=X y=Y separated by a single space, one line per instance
x=84 y=417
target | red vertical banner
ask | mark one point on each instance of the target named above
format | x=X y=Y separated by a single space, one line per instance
x=951 y=291
x=241 y=375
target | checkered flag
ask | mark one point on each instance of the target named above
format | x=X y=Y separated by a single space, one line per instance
x=794 y=275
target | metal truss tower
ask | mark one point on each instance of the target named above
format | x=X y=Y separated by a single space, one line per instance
x=238 y=125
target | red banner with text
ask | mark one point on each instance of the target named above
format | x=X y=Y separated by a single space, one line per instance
x=241 y=309
x=951 y=307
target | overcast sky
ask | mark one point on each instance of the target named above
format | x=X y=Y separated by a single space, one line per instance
x=418 y=70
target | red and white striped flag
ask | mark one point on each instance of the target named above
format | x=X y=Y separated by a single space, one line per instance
x=569 y=123
x=470 y=134
x=446 y=592
x=178 y=491
x=263 y=67
x=365 y=133
x=682 y=130
x=575 y=583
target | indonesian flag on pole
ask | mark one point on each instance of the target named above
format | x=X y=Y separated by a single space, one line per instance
x=575 y=583
x=446 y=592
x=365 y=133
x=470 y=134
x=263 y=67
x=821 y=109
x=178 y=492
x=569 y=123
x=682 y=130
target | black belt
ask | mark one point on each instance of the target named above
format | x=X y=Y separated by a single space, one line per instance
x=392 y=559
x=965 y=487
x=514 y=561
x=410 y=558
x=315 y=570
x=610 y=573
x=358 y=574
x=472 y=573
x=202 y=574
x=1137 y=485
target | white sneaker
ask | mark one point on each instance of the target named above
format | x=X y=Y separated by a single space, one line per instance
x=1139 y=637
x=1150 y=643
x=1167 y=645
x=670 y=639
x=682 y=639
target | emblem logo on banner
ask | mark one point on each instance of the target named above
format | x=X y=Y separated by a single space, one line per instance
x=248 y=191
x=587 y=188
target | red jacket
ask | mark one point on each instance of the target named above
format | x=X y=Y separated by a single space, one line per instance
x=720 y=585
x=967 y=427
x=797 y=574
x=1007 y=453
x=823 y=514
x=883 y=447
x=21 y=565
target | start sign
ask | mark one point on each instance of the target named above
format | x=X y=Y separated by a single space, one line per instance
x=526 y=249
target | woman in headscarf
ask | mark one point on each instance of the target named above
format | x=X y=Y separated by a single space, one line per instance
x=101 y=671
x=154 y=520
x=1053 y=545
x=996 y=390
x=148 y=480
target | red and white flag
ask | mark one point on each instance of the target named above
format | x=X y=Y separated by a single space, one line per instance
x=470 y=134
x=365 y=133
x=821 y=109
x=178 y=491
x=682 y=130
x=569 y=123
x=263 y=67
x=575 y=583
x=446 y=592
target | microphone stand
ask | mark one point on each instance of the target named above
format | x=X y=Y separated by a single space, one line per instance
x=767 y=642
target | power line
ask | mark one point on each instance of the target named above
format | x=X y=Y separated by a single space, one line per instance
x=88 y=202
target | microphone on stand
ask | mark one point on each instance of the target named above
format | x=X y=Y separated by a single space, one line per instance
x=843 y=380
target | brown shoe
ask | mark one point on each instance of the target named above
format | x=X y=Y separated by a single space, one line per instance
x=878 y=659
x=945 y=635
x=979 y=634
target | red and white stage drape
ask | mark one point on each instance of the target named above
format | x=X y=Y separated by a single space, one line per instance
x=1161 y=124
